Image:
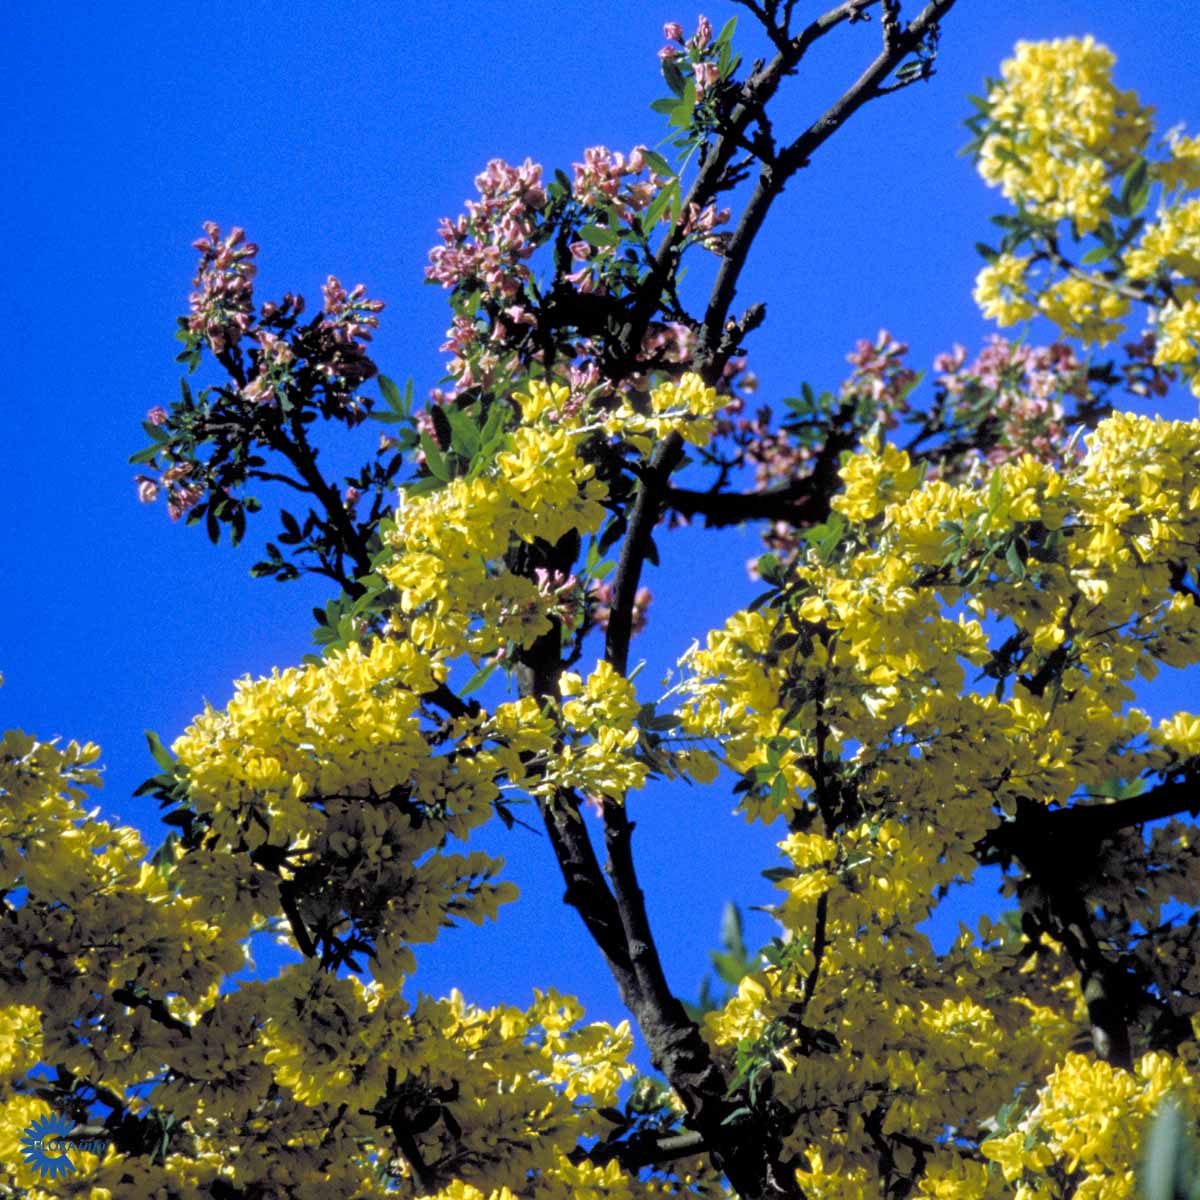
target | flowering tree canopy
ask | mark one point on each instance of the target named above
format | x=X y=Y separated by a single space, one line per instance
x=957 y=597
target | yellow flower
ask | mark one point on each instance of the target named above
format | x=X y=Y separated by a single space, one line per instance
x=1001 y=291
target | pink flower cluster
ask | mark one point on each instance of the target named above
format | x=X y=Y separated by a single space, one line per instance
x=490 y=243
x=1143 y=376
x=600 y=180
x=349 y=315
x=222 y=304
x=600 y=599
x=1019 y=385
x=700 y=224
x=275 y=358
x=880 y=374
x=673 y=32
x=182 y=494
x=699 y=53
x=562 y=595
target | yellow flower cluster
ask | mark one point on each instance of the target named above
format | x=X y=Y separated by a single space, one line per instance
x=1062 y=130
x=1001 y=291
x=592 y=750
x=1182 y=168
x=520 y=1088
x=1085 y=307
x=1179 y=337
x=328 y=763
x=686 y=407
x=448 y=547
x=298 y=1063
x=848 y=714
x=1062 y=144
x=1089 y=1119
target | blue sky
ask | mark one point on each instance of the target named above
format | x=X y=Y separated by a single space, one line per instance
x=338 y=134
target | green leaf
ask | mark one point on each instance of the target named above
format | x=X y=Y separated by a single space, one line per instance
x=392 y=397
x=599 y=236
x=986 y=252
x=681 y=116
x=658 y=206
x=479 y=678
x=611 y=532
x=664 y=105
x=995 y=492
x=1094 y=255
x=1012 y=556
x=676 y=195
x=493 y=424
x=770 y=569
x=422 y=487
x=727 y=31
x=1136 y=178
x=434 y=459
x=673 y=76
x=656 y=162
x=731 y=930
x=464 y=432
x=159 y=752
x=1169 y=1158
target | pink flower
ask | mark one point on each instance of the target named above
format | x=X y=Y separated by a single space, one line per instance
x=673 y=31
x=183 y=498
x=706 y=73
x=147 y=489
x=222 y=304
x=157 y=415
x=703 y=31
x=176 y=473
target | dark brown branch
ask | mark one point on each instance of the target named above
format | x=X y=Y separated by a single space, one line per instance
x=537 y=675
x=287 y=901
x=715 y=347
x=1055 y=847
x=158 y=1011
x=804 y=501
x=752 y=1163
x=797 y=502
x=300 y=454
x=896 y=47
x=820 y=933
x=645 y=514
x=1082 y=826
x=407 y=1145
x=586 y=891
x=276 y=477
x=646 y=1148
x=448 y=701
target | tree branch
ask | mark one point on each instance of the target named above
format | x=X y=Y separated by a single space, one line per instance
x=1083 y=825
x=156 y=1008
x=646 y=1148
x=802 y=501
x=1055 y=847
